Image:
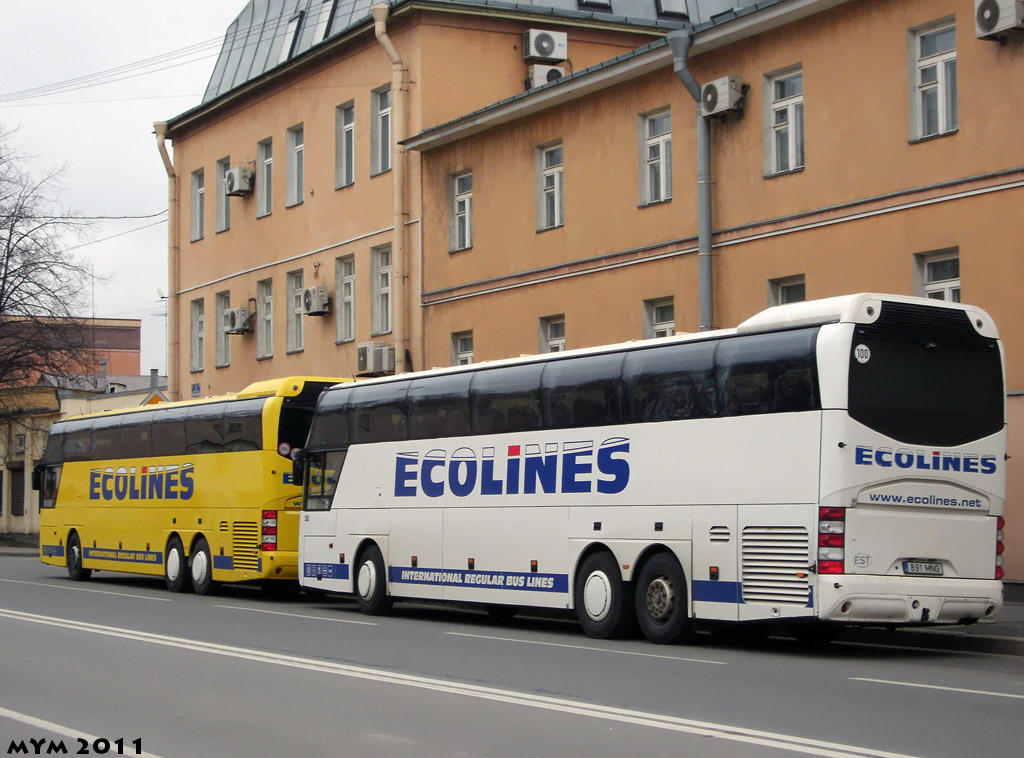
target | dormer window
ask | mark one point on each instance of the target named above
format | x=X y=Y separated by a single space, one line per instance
x=672 y=8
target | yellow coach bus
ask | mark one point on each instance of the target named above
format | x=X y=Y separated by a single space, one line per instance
x=199 y=491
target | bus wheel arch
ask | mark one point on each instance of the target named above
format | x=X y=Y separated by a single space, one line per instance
x=74 y=558
x=200 y=564
x=603 y=600
x=662 y=598
x=176 y=573
x=369 y=582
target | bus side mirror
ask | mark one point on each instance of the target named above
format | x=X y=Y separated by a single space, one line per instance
x=37 y=478
x=298 y=466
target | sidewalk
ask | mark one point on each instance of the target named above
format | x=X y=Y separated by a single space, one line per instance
x=19 y=544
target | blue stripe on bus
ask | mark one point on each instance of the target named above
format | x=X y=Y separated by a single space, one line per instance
x=717 y=592
x=54 y=551
x=495 y=580
x=226 y=562
x=325 y=570
x=122 y=556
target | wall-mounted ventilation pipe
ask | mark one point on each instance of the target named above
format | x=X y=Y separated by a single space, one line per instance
x=680 y=41
x=173 y=353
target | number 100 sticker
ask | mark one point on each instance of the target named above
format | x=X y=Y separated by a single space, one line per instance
x=862 y=353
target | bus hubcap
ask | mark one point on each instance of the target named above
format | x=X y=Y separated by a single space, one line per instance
x=597 y=596
x=199 y=567
x=660 y=599
x=367 y=580
x=173 y=565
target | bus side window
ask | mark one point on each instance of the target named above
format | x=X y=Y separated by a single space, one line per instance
x=439 y=406
x=169 y=431
x=768 y=373
x=136 y=435
x=204 y=429
x=379 y=413
x=49 y=485
x=507 y=400
x=323 y=470
x=581 y=392
x=106 y=438
x=330 y=423
x=671 y=382
x=78 y=440
x=243 y=425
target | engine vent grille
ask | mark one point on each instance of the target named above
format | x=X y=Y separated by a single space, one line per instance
x=719 y=534
x=245 y=545
x=774 y=558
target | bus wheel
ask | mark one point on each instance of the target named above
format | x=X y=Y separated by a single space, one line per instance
x=602 y=603
x=371 y=583
x=202 y=567
x=75 y=570
x=176 y=567
x=661 y=601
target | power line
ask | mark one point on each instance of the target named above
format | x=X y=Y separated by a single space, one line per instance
x=112 y=236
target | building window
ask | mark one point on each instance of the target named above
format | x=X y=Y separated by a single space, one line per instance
x=20 y=441
x=344 y=145
x=198 y=204
x=293 y=281
x=550 y=195
x=345 y=286
x=295 y=178
x=939 y=276
x=787 y=122
x=223 y=321
x=462 y=348
x=381 y=149
x=265 y=177
x=323 y=22
x=935 y=71
x=657 y=158
x=790 y=289
x=197 y=345
x=552 y=334
x=223 y=209
x=659 y=317
x=462 y=211
x=290 y=35
x=673 y=8
x=380 y=303
x=264 y=318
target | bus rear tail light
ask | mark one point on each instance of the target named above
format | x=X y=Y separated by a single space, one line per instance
x=831 y=540
x=1000 y=524
x=268 y=531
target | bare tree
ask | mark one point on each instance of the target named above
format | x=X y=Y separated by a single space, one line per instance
x=44 y=286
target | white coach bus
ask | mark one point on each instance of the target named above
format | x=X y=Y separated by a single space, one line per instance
x=840 y=460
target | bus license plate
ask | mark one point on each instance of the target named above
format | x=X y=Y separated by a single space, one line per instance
x=926 y=568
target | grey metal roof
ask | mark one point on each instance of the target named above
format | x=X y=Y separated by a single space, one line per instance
x=253 y=42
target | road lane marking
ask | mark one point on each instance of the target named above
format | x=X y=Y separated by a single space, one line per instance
x=49 y=726
x=297 y=615
x=84 y=589
x=585 y=647
x=937 y=687
x=791 y=743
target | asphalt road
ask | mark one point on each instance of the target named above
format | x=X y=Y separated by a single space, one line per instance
x=120 y=658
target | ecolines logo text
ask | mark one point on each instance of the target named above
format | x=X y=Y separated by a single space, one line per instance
x=569 y=467
x=148 y=483
x=866 y=455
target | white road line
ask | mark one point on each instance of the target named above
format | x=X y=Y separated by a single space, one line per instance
x=297 y=615
x=791 y=743
x=83 y=589
x=586 y=647
x=66 y=731
x=937 y=687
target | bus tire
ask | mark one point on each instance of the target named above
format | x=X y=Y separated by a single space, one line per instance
x=176 y=566
x=75 y=571
x=603 y=604
x=201 y=565
x=661 y=601
x=371 y=583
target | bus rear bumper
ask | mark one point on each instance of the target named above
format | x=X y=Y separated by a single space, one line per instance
x=856 y=599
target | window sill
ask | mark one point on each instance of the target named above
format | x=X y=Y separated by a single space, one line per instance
x=655 y=202
x=294 y=352
x=292 y=205
x=550 y=228
x=264 y=357
x=345 y=341
x=378 y=173
x=380 y=334
x=193 y=370
x=195 y=239
x=223 y=365
x=931 y=137
x=454 y=250
x=225 y=229
x=343 y=186
x=263 y=215
x=785 y=173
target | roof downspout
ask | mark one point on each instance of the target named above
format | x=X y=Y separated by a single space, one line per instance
x=173 y=353
x=399 y=265
x=679 y=41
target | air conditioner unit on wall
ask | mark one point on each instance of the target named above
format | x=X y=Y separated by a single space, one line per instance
x=374 y=358
x=994 y=19
x=540 y=74
x=238 y=181
x=544 y=46
x=721 y=95
x=237 y=321
x=316 y=301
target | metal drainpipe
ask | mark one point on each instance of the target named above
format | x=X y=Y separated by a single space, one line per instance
x=679 y=41
x=173 y=353
x=399 y=267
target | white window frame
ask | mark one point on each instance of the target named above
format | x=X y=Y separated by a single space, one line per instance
x=380 y=290
x=198 y=204
x=380 y=151
x=197 y=341
x=265 y=177
x=345 y=287
x=552 y=334
x=550 y=186
x=344 y=145
x=462 y=348
x=658 y=321
x=927 y=285
x=943 y=86
x=223 y=207
x=655 y=157
x=265 y=318
x=294 y=335
x=462 y=211
x=786 y=290
x=784 y=123
x=223 y=320
x=296 y=180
